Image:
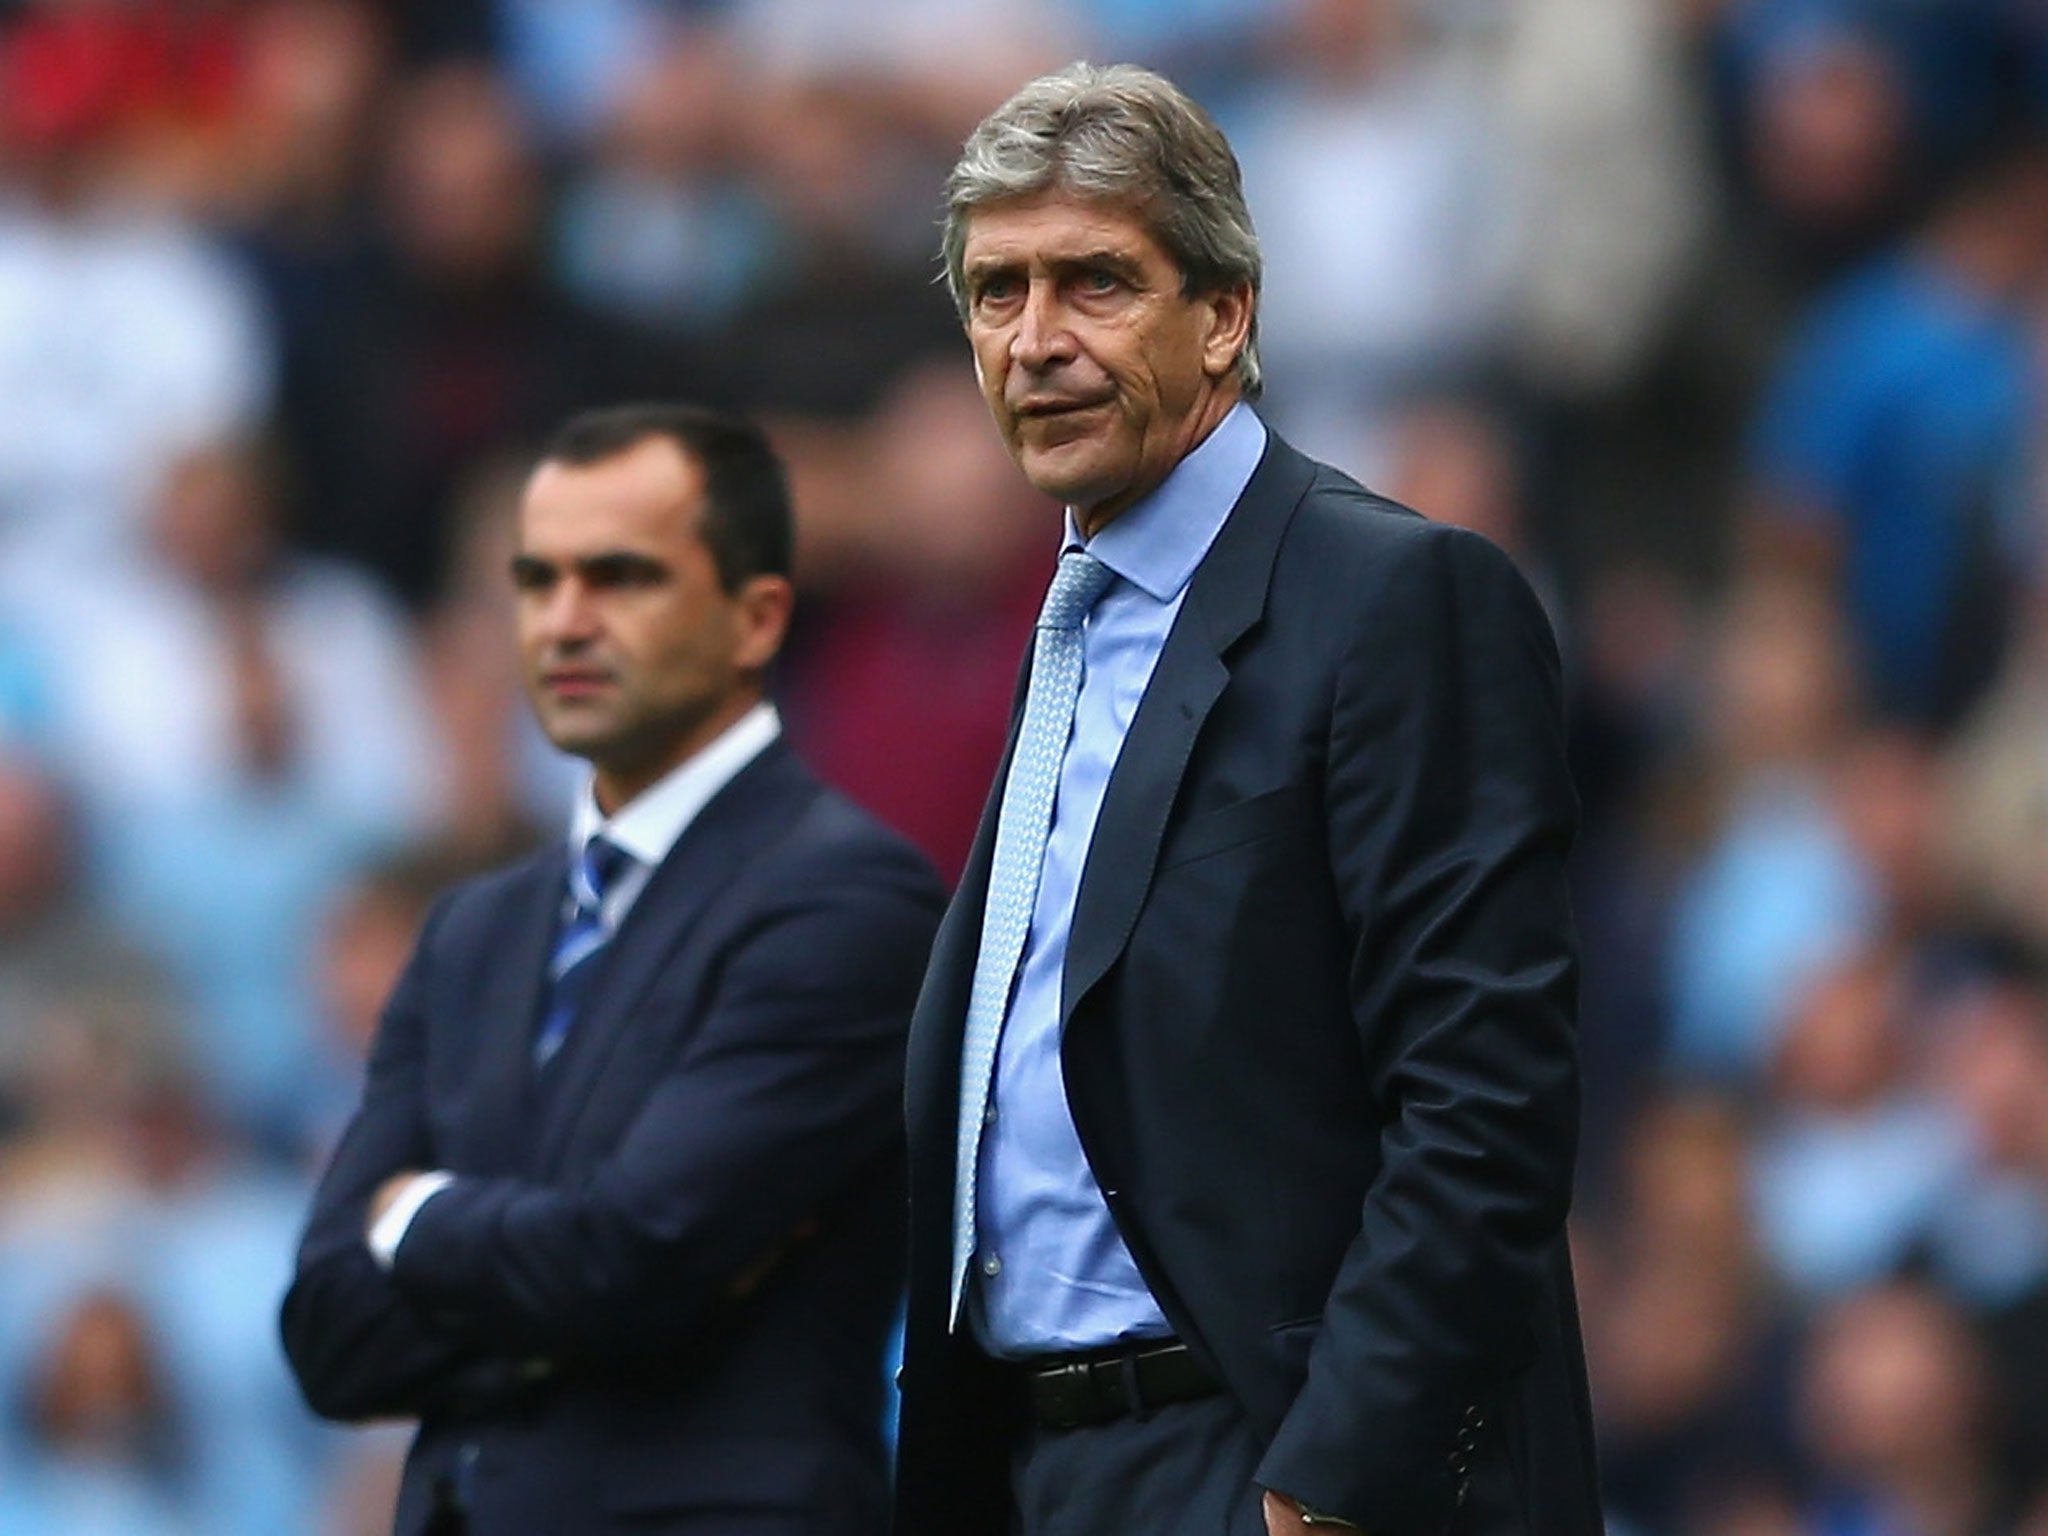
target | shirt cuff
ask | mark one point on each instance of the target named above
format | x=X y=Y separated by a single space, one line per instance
x=390 y=1228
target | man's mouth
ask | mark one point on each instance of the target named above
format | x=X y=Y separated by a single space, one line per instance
x=574 y=682
x=1039 y=408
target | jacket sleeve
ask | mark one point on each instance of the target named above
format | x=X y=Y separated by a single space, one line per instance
x=787 y=1094
x=1450 y=815
x=360 y=1348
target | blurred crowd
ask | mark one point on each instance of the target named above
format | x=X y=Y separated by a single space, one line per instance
x=1724 y=317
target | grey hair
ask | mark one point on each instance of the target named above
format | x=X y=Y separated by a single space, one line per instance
x=1124 y=134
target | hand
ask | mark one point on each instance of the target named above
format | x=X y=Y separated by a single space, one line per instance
x=1283 y=1518
x=387 y=1192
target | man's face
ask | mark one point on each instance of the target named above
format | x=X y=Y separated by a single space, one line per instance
x=1101 y=373
x=634 y=655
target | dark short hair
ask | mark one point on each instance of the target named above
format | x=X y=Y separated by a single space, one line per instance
x=747 y=523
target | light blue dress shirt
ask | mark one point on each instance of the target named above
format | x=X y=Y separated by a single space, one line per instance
x=1052 y=1274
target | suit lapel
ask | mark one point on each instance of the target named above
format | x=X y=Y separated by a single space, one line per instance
x=609 y=1045
x=496 y=1134
x=1226 y=598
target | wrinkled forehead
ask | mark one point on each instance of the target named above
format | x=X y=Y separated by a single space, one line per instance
x=1057 y=225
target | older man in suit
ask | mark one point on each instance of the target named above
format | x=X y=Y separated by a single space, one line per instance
x=1242 y=1088
x=619 y=1217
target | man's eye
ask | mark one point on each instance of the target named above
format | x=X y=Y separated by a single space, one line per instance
x=995 y=290
x=1100 y=280
x=617 y=575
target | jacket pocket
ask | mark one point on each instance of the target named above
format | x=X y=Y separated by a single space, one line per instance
x=1230 y=826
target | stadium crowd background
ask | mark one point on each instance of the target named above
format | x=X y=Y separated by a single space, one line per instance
x=1723 y=316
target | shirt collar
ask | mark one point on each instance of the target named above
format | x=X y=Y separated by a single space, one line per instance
x=1159 y=541
x=648 y=825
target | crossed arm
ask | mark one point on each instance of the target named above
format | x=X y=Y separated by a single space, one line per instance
x=786 y=1091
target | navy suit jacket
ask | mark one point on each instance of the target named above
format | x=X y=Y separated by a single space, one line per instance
x=656 y=1298
x=1318 y=1033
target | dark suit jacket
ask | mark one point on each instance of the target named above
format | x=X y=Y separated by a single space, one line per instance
x=1318 y=1032
x=659 y=1290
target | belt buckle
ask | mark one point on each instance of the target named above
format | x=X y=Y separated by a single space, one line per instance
x=1071 y=1396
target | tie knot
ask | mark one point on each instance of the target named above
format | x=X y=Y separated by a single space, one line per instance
x=1076 y=585
x=603 y=861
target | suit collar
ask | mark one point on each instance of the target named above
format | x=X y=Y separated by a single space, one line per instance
x=1157 y=544
x=608 y=1044
x=648 y=826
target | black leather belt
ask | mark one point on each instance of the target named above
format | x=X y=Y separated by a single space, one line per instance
x=1075 y=1391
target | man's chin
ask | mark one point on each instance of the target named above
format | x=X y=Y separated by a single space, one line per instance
x=1073 y=479
x=577 y=736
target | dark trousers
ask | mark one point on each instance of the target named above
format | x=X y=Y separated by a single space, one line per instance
x=1182 y=1470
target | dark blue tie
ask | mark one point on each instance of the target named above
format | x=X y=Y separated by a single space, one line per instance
x=580 y=943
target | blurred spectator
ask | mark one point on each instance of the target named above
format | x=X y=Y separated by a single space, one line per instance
x=1991 y=1238
x=52 y=939
x=1995 y=1240
x=152 y=81
x=1211 y=48
x=119 y=1178
x=310 y=79
x=1680 y=1328
x=933 y=66
x=1777 y=890
x=1630 y=708
x=1610 y=165
x=103 y=1441
x=366 y=934
x=125 y=334
x=660 y=227
x=1825 y=131
x=507 y=782
x=1378 y=180
x=244 y=726
x=924 y=650
x=1857 y=1160
x=1895 y=1410
x=1890 y=451
x=570 y=60
x=1850 y=107
x=1887 y=797
x=1454 y=458
x=1994 y=815
x=452 y=344
x=856 y=303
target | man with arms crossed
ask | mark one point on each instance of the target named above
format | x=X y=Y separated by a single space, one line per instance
x=1242 y=1088
x=619 y=1217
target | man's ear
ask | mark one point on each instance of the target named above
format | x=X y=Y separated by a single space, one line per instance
x=765 y=603
x=1230 y=328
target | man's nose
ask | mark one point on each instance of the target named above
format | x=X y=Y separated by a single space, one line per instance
x=1042 y=335
x=568 y=617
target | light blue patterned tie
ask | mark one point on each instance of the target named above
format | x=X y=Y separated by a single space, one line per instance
x=581 y=941
x=1021 y=829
